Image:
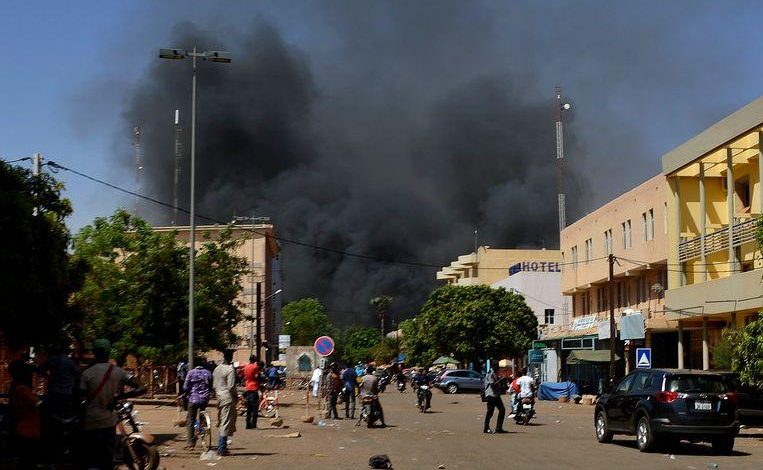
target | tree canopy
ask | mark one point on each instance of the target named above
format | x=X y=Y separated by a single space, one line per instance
x=136 y=290
x=358 y=344
x=470 y=323
x=37 y=276
x=305 y=320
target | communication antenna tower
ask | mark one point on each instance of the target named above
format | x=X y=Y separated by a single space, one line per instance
x=178 y=158
x=136 y=132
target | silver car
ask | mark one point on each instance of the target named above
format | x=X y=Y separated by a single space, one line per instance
x=452 y=381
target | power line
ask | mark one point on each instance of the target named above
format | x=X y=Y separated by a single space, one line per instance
x=17 y=160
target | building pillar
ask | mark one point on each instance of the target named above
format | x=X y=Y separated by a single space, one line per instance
x=705 y=346
x=733 y=320
x=730 y=207
x=702 y=221
x=680 y=344
x=760 y=170
x=677 y=278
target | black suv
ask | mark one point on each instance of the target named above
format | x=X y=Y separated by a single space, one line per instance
x=663 y=406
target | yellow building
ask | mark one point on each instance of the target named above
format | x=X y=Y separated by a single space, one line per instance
x=260 y=250
x=715 y=268
x=489 y=265
x=632 y=227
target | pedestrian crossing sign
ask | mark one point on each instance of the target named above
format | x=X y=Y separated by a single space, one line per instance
x=643 y=358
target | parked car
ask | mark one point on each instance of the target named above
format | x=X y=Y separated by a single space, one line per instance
x=663 y=406
x=749 y=399
x=453 y=381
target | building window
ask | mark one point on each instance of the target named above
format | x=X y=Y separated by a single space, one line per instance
x=665 y=218
x=626 y=234
x=588 y=250
x=575 y=257
x=549 y=316
x=650 y=224
x=643 y=226
x=608 y=248
x=475 y=271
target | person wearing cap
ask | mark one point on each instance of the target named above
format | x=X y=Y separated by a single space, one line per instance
x=100 y=385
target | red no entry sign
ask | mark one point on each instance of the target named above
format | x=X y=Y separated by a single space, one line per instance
x=324 y=346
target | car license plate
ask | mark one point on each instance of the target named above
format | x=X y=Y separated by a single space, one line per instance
x=700 y=405
x=527 y=407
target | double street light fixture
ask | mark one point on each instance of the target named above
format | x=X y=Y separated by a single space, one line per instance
x=210 y=56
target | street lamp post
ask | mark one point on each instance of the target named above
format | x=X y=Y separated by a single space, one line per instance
x=211 y=56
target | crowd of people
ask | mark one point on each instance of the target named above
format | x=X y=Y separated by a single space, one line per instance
x=78 y=402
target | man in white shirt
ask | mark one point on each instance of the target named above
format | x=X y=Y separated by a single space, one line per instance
x=315 y=380
x=526 y=385
x=224 y=383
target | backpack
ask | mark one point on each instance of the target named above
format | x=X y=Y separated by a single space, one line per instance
x=379 y=461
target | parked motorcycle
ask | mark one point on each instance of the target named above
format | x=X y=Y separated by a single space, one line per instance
x=369 y=411
x=135 y=447
x=525 y=410
x=424 y=396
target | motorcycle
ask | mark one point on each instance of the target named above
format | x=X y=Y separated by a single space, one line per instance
x=525 y=410
x=401 y=386
x=134 y=446
x=383 y=382
x=369 y=411
x=424 y=396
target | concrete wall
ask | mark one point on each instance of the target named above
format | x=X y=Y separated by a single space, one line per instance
x=490 y=265
x=541 y=291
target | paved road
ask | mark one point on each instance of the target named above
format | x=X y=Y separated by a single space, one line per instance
x=561 y=437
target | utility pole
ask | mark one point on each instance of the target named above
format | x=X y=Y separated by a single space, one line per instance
x=259 y=312
x=36 y=164
x=612 y=327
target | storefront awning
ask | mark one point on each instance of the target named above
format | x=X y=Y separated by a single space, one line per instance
x=585 y=356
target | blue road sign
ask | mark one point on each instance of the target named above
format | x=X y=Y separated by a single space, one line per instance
x=643 y=358
x=324 y=346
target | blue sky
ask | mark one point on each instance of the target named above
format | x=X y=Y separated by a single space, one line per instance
x=69 y=68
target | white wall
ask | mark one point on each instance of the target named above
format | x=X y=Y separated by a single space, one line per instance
x=541 y=290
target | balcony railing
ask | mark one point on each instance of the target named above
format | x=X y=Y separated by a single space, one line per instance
x=742 y=232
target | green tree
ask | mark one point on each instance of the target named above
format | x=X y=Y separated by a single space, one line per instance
x=136 y=290
x=747 y=343
x=358 y=344
x=387 y=350
x=305 y=320
x=381 y=303
x=37 y=277
x=471 y=323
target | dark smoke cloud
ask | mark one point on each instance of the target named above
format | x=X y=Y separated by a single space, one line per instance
x=388 y=129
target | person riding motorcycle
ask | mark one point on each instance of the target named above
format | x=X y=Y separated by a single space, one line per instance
x=369 y=387
x=525 y=386
x=421 y=379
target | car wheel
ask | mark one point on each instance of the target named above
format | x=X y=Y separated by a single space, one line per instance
x=644 y=436
x=452 y=388
x=603 y=434
x=723 y=445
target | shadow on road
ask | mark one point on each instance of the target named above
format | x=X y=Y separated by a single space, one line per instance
x=682 y=448
x=160 y=439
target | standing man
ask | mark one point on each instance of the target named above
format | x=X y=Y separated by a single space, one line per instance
x=62 y=381
x=315 y=381
x=252 y=382
x=493 y=390
x=333 y=389
x=100 y=385
x=224 y=382
x=350 y=381
x=182 y=373
x=198 y=389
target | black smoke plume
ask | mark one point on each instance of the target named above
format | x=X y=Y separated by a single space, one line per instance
x=389 y=130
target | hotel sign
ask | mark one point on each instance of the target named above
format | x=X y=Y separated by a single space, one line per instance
x=535 y=266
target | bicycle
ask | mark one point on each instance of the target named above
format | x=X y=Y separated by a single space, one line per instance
x=203 y=430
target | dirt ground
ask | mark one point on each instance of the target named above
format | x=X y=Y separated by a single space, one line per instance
x=450 y=437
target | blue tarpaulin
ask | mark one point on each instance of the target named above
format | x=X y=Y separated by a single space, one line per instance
x=554 y=390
